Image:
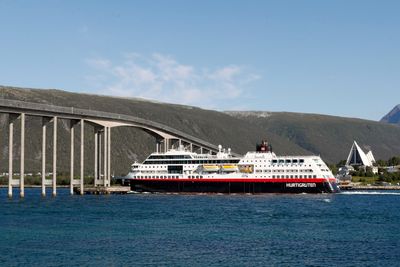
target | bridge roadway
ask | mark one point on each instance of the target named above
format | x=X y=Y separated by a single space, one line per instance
x=166 y=137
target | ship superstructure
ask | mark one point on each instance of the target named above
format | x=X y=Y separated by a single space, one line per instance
x=260 y=171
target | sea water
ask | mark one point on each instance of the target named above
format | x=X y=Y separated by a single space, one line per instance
x=348 y=229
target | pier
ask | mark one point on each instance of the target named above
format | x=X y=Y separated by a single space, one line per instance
x=106 y=190
x=103 y=123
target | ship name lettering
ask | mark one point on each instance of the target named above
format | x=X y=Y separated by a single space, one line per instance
x=301 y=185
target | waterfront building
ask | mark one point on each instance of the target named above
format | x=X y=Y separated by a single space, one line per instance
x=357 y=157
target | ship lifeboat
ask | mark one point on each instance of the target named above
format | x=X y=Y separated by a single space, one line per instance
x=246 y=168
x=210 y=168
x=229 y=168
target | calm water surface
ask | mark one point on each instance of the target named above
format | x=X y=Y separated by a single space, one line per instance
x=357 y=229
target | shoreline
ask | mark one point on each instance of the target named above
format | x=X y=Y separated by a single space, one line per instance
x=368 y=187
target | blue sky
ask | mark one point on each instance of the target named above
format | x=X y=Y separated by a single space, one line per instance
x=330 y=57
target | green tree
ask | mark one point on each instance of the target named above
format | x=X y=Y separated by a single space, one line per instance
x=381 y=163
x=341 y=163
x=394 y=161
x=368 y=172
x=333 y=168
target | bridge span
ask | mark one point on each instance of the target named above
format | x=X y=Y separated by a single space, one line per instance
x=103 y=122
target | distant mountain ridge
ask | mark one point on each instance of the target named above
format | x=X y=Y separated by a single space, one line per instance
x=393 y=116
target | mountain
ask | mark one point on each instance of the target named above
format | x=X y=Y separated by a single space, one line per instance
x=290 y=133
x=328 y=136
x=128 y=144
x=393 y=116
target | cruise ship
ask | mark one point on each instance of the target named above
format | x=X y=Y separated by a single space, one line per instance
x=261 y=171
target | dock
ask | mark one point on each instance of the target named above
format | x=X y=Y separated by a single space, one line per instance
x=101 y=190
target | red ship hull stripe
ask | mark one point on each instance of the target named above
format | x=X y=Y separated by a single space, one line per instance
x=241 y=180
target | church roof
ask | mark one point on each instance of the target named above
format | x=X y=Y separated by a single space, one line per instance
x=358 y=157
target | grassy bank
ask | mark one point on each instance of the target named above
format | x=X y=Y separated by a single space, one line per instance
x=372 y=180
x=364 y=180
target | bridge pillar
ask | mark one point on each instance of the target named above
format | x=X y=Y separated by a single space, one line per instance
x=43 y=157
x=166 y=145
x=105 y=153
x=72 y=154
x=174 y=143
x=54 y=183
x=73 y=182
x=44 y=126
x=96 y=156
x=22 y=167
x=158 y=145
x=99 y=138
x=11 y=182
x=109 y=157
x=82 y=154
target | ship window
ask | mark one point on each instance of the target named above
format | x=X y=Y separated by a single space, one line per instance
x=281 y=161
x=301 y=160
x=288 y=161
x=274 y=161
x=314 y=176
x=273 y=176
x=295 y=161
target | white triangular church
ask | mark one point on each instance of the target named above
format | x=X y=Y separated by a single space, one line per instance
x=358 y=157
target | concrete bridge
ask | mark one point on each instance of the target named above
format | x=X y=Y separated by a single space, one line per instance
x=103 y=122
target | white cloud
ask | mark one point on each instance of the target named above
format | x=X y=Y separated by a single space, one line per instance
x=226 y=73
x=161 y=77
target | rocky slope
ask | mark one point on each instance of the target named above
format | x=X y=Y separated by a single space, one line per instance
x=393 y=116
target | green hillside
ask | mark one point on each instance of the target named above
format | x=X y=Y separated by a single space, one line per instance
x=129 y=144
x=329 y=136
x=289 y=133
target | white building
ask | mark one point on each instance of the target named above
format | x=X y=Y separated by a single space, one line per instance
x=357 y=157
